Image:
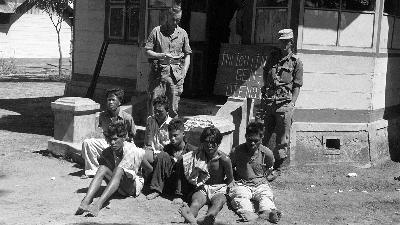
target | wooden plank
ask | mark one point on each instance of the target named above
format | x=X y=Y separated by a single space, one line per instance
x=240 y=70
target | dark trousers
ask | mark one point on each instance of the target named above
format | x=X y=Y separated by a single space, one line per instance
x=278 y=119
x=168 y=177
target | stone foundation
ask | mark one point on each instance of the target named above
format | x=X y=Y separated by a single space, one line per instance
x=355 y=143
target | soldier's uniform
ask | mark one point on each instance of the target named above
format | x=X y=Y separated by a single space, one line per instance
x=281 y=75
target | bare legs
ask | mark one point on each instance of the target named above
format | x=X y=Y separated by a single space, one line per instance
x=103 y=172
x=198 y=201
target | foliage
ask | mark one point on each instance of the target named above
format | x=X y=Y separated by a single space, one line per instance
x=7 y=66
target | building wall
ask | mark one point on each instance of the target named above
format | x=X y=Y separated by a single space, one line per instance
x=120 y=64
x=33 y=36
x=336 y=82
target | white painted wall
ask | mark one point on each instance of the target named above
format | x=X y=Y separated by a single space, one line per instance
x=120 y=60
x=34 y=36
x=336 y=82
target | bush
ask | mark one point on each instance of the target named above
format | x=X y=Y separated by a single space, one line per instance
x=7 y=66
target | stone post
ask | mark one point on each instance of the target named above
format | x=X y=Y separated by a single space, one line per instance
x=196 y=125
x=74 y=121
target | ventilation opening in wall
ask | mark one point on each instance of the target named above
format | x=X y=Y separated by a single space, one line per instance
x=332 y=145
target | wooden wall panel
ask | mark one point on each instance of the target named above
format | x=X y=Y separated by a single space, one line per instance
x=33 y=36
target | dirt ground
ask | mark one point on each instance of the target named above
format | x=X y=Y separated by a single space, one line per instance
x=36 y=188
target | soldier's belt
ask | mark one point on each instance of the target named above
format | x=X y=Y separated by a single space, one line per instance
x=169 y=61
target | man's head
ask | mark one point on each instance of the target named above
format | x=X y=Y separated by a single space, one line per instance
x=210 y=140
x=285 y=37
x=176 y=131
x=161 y=107
x=115 y=135
x=174 y=16
x=114 y=97
x=254 y=135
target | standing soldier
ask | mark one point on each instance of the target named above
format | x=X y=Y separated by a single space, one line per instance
x=283 y=77
x=169 y=51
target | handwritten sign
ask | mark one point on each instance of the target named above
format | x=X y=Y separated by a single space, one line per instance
x=240 y=70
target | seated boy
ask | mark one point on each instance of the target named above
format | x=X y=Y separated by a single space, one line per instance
x=156 y=134
x=251 y=163
x=119 y=165
x=166 y=175
x=212 y=192
x=92 y=148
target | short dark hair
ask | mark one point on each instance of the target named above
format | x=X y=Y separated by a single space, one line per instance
x=176 y=124
x=213 y=133
x=162 y=100
x=118 y=92
x=254 y=128
x=116 y=128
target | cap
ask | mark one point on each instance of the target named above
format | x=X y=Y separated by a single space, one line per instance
x=285 y=34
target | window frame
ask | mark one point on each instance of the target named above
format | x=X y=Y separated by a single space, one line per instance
x=288 y=9
x=395 y=18
x=340 y=10
x=127 y=6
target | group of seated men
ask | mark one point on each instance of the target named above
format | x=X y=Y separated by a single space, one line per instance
x=194 y=176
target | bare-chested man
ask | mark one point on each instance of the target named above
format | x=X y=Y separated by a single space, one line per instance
x=213 y=192
x=252 y=162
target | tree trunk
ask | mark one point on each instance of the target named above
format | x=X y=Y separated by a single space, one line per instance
x=60 y=52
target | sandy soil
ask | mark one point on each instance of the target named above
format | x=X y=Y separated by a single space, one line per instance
x=29 y=195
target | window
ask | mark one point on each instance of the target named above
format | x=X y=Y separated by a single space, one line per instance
x=157 y=13
x=123 y=20
x=390 y=29
x=346 y=23
x=271 y=16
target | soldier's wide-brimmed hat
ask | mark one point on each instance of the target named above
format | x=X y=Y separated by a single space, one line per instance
x=285 y=34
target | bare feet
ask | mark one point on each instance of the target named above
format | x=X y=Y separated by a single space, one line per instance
x=177 y=201
x=94 y=209
x=187 y=214
x=208 y=220
x=82 y=209
x=152 y=195
x=272 y=216
x=248 y=216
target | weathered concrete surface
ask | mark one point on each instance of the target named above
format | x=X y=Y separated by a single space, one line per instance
x=360 y=143
x=196 y=125
x=74 y=121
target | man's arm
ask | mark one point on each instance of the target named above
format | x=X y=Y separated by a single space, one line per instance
x=186 y=65
x=131 y=129
x=297 y=80
x=148 y=134
x=227 y=165
x=295 y=94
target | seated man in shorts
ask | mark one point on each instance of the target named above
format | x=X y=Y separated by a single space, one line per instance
x=92 y=147
x=167 y=176
x=213 y=191
x=119 y=166
x=156 y=134
x=252 y=162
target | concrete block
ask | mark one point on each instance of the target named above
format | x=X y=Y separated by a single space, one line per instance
x=75 y=119
x=237 y=110
x=196 y=124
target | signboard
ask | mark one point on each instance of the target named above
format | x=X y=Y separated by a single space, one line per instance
x=240 y=70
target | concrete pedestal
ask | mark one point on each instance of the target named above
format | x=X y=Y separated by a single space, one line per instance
x=74 y=121
x=196 y=124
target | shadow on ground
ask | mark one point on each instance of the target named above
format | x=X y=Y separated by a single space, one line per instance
x=35 y=116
